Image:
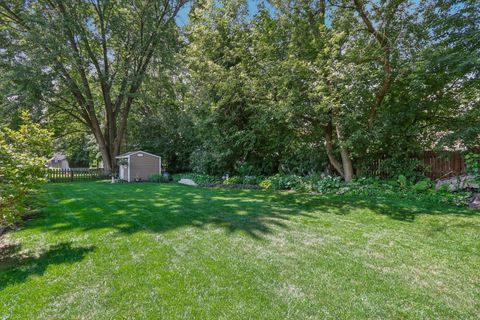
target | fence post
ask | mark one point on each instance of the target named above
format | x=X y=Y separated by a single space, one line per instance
x=71 y=175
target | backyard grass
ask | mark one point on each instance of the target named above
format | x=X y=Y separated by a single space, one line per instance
x=98 y=250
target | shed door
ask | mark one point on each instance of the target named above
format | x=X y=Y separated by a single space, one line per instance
x=123 y=172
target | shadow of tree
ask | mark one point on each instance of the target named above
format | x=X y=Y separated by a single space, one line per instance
x=395 y=208
x=159 y=208
x=16 y=266
x=129 y=208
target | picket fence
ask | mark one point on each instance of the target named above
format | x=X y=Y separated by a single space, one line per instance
x=75 y=174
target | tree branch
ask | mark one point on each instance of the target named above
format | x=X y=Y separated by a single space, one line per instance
x=383 y=41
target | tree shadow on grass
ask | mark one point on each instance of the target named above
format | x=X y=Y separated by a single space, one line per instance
x=402 y=209
x=160 y=208
x=130 y=208
x=17 y=266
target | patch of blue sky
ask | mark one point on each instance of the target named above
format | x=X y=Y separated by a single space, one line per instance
x=253 y=7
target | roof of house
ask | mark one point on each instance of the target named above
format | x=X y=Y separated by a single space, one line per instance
x=58 y=156
x=128 y=154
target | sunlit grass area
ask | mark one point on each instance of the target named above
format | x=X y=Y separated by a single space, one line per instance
x=99 y=250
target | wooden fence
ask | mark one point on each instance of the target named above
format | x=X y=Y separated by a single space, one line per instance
x=437 y=165
x=443 y=165
x=76 y=174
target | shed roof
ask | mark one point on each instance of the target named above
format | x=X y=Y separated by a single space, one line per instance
x=127 y=154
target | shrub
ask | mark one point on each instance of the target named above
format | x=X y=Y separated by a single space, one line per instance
x=253 y=179
x=402 y=181
x=328 y=184
x=291 y=182
x=472 y=161
x=279 y=182
x=22 y=162
x=363 y=186
x=244 y=169
x=423 y=185
x=236 y=186
x=266 y=184
x=157 y=177
x=232 y=180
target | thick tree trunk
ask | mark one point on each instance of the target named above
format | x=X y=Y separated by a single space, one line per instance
x=328 y=139
x=108 y=151
x=345 y=168
x=107 y=157
x=347 y=165
x=107 y=160
x=345 y=155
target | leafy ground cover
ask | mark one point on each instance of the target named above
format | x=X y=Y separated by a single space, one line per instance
x=100 y=250
x=422 y=188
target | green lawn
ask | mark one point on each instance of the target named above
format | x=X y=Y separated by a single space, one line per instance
x=99 y=250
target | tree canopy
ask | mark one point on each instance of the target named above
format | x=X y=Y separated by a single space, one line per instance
x=299 y=86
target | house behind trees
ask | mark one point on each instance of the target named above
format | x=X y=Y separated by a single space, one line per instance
x=58 y=161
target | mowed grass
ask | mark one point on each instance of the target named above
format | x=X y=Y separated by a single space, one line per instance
x=108 y=251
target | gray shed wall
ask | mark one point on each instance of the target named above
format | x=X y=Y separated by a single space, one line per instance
x=143 y=166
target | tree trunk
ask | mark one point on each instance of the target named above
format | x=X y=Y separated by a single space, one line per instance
x=328 y=139
x=345 y=154
x=347 y=165
x=103 y=147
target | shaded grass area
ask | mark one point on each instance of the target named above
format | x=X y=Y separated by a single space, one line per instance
x=99 y=250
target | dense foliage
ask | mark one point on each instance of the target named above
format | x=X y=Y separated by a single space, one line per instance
x=92 y=66
x=400 y=186
x=313 y=87
x=473 y=165
x=22 y=160
x=300 y=87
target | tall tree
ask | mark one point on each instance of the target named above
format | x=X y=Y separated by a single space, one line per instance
x=94 y=54
x=348 y=49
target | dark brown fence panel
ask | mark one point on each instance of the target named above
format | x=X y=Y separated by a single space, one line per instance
x=437 y=165
x=75 y=174
x=443 y=165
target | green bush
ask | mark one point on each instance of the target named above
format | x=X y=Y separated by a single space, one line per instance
x=244 y=169
x=256 y=180
x=423 y=185
x=401 y=186
x=402 y=181
x=291 y=182
x=472 y=161
x=22 y=163
x=266 y=184
x=328 y=184
x=232 y=180
x=280 y=182
x=208 y=179
x=157 y=177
